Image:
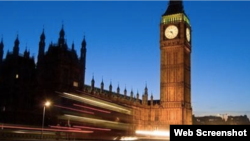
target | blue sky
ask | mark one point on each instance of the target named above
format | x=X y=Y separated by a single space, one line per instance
x=123 y=44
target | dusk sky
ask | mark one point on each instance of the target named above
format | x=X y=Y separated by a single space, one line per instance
x=123 y=44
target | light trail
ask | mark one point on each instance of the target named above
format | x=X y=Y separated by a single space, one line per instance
x=128 y=138
x=101 y=122
x=32 y=132
x=95 y=109
x=93 y=128
x=46 y=129
x=82 y=111
x=99 y=103
x=92 y=120
x=61 y=127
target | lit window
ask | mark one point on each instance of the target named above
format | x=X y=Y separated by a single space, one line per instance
x=17 y=76
x=75 y=84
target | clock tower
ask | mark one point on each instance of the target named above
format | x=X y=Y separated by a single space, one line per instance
x=175 y=77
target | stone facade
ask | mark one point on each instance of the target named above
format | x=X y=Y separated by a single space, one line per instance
x=60 y=69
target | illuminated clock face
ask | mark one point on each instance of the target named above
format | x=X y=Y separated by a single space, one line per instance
x=188 y=34
x=171 y=32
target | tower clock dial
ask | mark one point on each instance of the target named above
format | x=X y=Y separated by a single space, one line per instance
x=188 y=34
x=171 y=32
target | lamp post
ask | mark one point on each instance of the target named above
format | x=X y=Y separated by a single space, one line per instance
x=46 y=104
x=3 y=117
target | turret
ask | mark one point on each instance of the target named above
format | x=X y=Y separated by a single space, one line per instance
x=131 y=95
x=110 y=87
x=16 y=47
x=83 y=59
x=125 y=92
x=61 y=40
x=118 y=89
x=102 y=86
x=41 y=47
x=146 y=93
x=92 y=84
x=137 y=97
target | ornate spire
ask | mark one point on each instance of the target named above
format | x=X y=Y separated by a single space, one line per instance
x=125 y=91
x=92 y=82
x=83 y=51
x=146 y=90
x=151 y=101
x=41 y=47
x=102 y=85
x=131 y=94
x=17 y=41
x=110 y=86
x=174 y=7
x=62 y=33
x=61 y=40
x=42 y=37
x=16 y=46
x=118 y=89
x=83 y=60
x=84 y=42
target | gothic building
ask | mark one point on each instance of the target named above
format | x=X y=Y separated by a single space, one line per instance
x=60 y=70
x=24 y=83
x=17 y=76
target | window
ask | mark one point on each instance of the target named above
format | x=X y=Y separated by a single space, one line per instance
x=75 y=84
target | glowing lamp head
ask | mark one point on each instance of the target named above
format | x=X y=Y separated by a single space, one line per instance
x=47 y=103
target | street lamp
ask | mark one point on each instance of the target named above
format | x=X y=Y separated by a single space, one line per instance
x=46 y=104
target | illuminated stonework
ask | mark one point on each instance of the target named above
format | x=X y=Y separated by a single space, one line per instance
x=175 y=83
x=105 y=110
x=175 y=18
x=174 y=106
